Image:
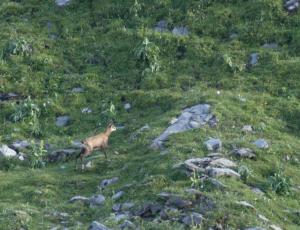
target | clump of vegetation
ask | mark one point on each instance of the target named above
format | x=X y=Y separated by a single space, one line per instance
x=25 y=109
x=19 y=46
x=147 y=54
x=235 y=66
x=280 y=183
x=36 y=157
x=245 y=172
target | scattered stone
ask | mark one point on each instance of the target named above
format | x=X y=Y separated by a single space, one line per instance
x=127 y=106
x=247 y=128
x=223 y=163
x=128 y=225
x=161 y=26
x=79 y=198
x=62 y=121
x=149 y=210
x=216 y=183
x=122 y=207
x=270 y=45
x=62 y=2
x=61 y=155
x=186 y=121
x=180 y=31
x=106 y=182
x=20 y=145
x=244 y=153
x=8 y=96
x=245 y=204
x=118 y=195
x=5 y=151
x=77 y=90
x=274 y=227
x=261 y=143
x=213 y=144
x=192 y=219
x=121 y=216
x=97 y=226
x=97 y=200
x=219 y=172
x=263 y=218
x=197 y=164
x=291 y=5
x=179 y=203
x=86 y=110
x=253 y=60
x=258 y=191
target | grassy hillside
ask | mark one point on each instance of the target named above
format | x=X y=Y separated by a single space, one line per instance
x=111 y=50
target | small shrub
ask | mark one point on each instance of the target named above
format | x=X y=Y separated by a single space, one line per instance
x=280 y=183
x=18 y=47
x=195 y=180
x=147 y=54
x=234 y=65
x=37 y=156
x=26 y=109
x=245 y=172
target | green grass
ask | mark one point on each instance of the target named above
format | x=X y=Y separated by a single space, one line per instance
x=91 y=44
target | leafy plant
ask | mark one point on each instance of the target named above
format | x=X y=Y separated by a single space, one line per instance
x=195 y=180
x=37 y=156
x=26 y=109
x=19 y=46
x=109 y=113
x=245 y=172
x=136 y=8
x=280 y=183
x=234 y=65
x=147 y=53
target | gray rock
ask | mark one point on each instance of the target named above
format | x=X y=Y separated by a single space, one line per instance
x=127 y=106
x=61 y=155
x=86 y=110
x=291 y=5
x=253 y=59
x=257 y=191
x=220 y=172
x=263 y=218
x=261 y=144
x=245 y=204
x=244 y=152
x=128 y=225
x=5 y=151
x=77 y=90
x=180 y=31
x=80 y=199
x=197 y=164
x=62 y=2
x=106 y=182
x=97 y=200
x=216 y=183
x=199 y=114
x=118 y=195
x=213 y=144
x=247 y=128
x=161 y=26
x=8 y=96
x=222 y=163
x=62 y=121
x=166 y=195
x=20 y=144
x=149 y=210
x=192 y=219
x=179 y=203
x=97 y=226
x=121 y=216
x=122 y=207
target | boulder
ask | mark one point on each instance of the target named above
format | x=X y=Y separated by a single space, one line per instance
x=193 y=219
x=213 y=144
x=80 y=199
x=62 y=2
x=106 y=182
x=161 y=26
x=261 y=144
x=5 y=151
x=180 y=31
x=117 y=195
x=97 y=226
x=62 y=121
x=244 y=153
x=220 y=172
x=253 y=60
x=222 y=163
x=62 y=155
x=96 y=200
x=193 y=117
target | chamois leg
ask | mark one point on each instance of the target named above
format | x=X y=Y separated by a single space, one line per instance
x=105 y=154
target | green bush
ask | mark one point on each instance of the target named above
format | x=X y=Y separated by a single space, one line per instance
x=280 y=183
x=36 y=157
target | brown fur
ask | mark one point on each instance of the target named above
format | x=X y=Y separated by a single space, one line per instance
x=99 y=141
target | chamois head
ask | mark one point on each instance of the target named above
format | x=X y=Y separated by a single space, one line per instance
x=111 y=127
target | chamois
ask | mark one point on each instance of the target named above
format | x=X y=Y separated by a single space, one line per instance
x=99 y=141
